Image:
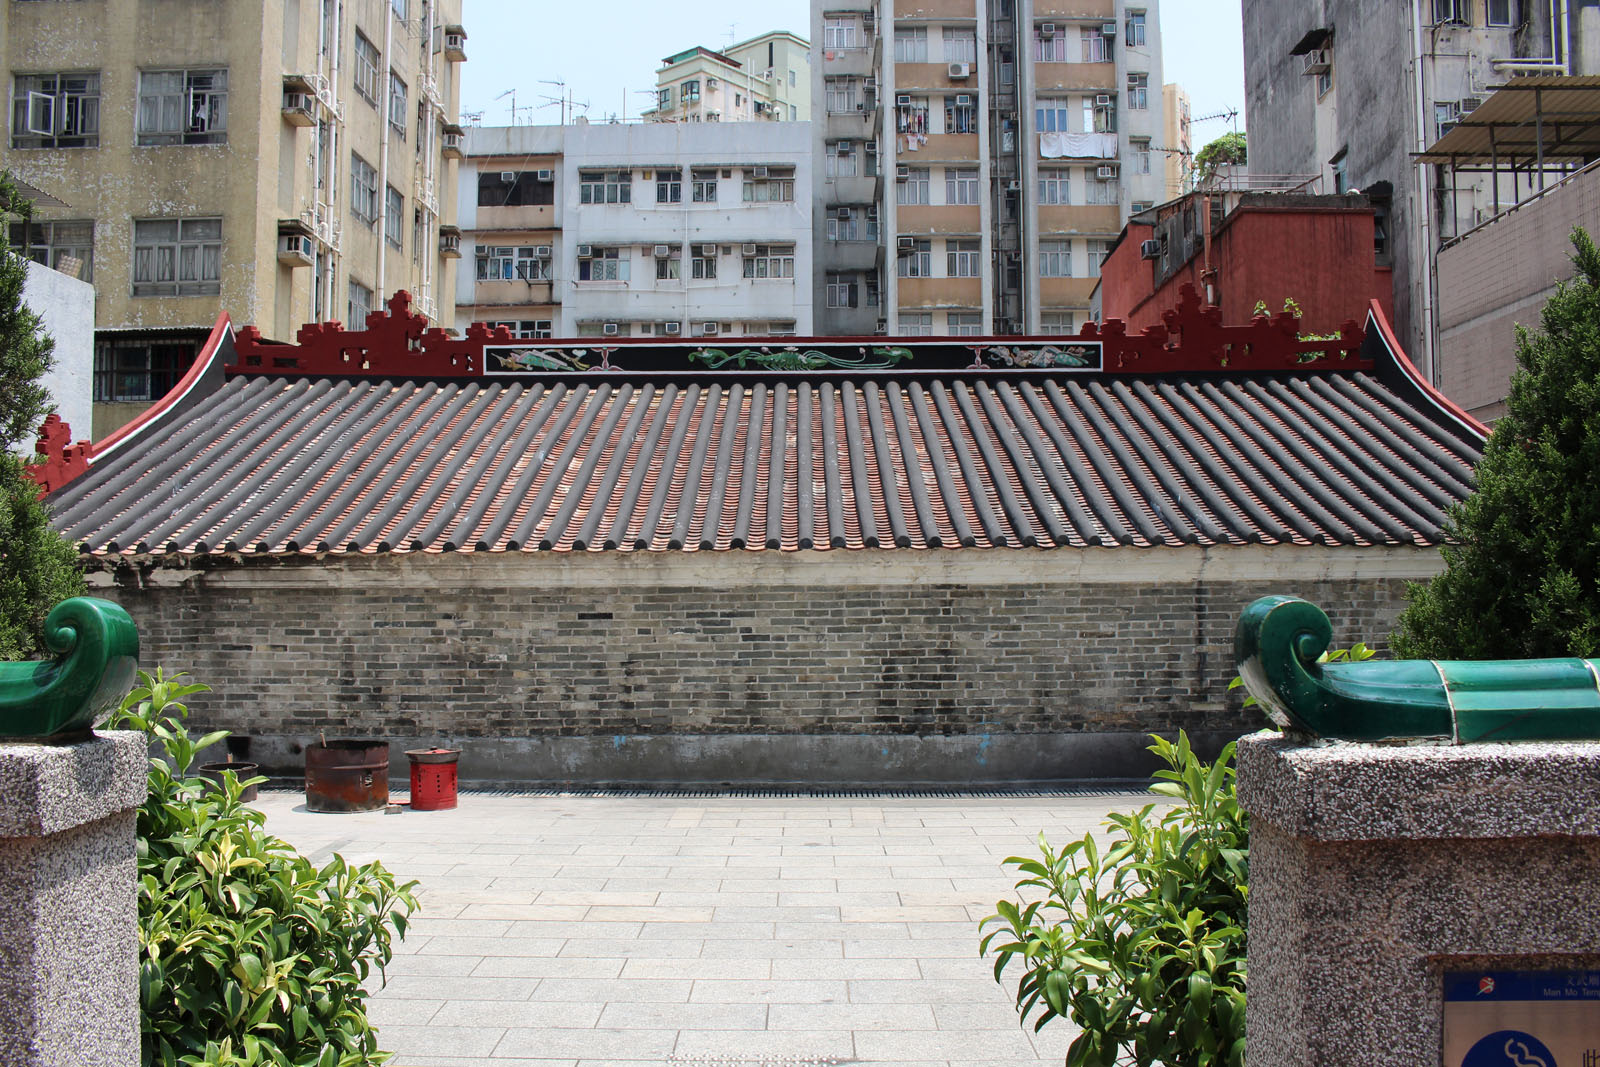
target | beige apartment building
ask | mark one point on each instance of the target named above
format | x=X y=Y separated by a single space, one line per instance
x=767 y=78
x=1178 y=146
x=979 y=157
x=285 y=161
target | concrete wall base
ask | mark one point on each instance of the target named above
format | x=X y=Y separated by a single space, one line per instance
x=69 y=923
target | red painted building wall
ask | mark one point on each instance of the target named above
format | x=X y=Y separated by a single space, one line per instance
x=1322 y=257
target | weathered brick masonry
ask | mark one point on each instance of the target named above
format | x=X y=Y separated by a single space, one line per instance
x=579 y=658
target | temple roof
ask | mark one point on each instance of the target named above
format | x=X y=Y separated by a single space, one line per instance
x=651 y=460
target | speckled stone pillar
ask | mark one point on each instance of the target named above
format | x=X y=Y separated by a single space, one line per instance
x=1376 y=868
x=69 y=933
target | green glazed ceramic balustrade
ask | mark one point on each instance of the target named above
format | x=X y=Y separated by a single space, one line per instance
x=95 y=659
x=1280 y=637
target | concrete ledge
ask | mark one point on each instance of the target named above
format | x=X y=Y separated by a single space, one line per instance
x=772 y=759
x=48 y=789
x=1351 y=792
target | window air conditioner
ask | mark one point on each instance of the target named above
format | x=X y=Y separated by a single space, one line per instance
x=872 y=148
x=748 y=249
x=707 y=250
x=541 y=251
x=1105 y=172
x=1047 y=29
x=546 y=175
x=902 y=101
x=1013 y=186
x=609 y=329
x=846 y=148
x=295 y=249
x=585 y=251
x=1317 y=61
x=761 y=172
x=508 y=176
x=662 y=251
x=961 y=70
x=842 y=213
x=299 y=109
x=1103 y=100
x=1108 y=29
x=964 y=100
x=673 y=328
x=906 y=244
x=709 y=328
x=1149 y=249
x=902 y=172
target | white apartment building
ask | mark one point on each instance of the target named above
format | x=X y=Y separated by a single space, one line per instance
x=978 y=158
x=637 y=230
x=766 y=78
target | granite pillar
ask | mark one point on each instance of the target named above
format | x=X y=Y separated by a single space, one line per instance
x=69 y=933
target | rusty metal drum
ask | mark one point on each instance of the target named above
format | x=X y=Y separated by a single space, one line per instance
x=345 y=775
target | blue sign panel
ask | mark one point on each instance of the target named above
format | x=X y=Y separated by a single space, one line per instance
x=1522 y=1019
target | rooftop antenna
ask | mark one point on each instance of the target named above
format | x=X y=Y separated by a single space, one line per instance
x=733 y=32
x=512 y=93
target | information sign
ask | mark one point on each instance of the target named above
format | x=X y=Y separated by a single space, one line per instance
x=1522 y=1019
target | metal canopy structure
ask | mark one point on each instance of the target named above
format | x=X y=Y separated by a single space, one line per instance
x=1529 y=126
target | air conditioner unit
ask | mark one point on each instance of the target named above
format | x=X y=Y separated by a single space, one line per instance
x=453 y=144
x=1149 y=249
x=902 y=172
x=673 y=328
x=906 y=244
x=711 y=83
x=1103 y=100
x=609 y=329
x=585 y=252
x=296 y=249
x=450 y=245
x=707 y=250
x=846 y=148
x=455 y=46
x=1108 y=29
x=1105 y=172
x=961 y=70
x=299 y=109
x=902 y=101
x=1047 y=29
x=1013 y=186
x=748 y=249
x=872 y=148
x=1317 y=61
x=1470 y=104
x=541 y=251
x=508 y=176
x=964 y=100
x=761 y=172
x=661 y=251
x=709 y=328
x=842 y=213
x=545 y=175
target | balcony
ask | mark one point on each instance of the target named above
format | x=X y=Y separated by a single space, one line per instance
x=852 y=255
x=939 y=218
x=909 y=77
x=1066 y=292
x=1087 y=77
x=935 y=10
x=519 y=217
x=1086 y=218
x=850 y=125
x=852 y=190
x=511 y=294
x=941 y=292
x=860 y=62
x=942 y=147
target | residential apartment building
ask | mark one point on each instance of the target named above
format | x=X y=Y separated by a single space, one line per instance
x=978 y=157
x=765 y=78
x=282 y=160
x=637 y=230
x=1351 y=89
x=1177 y=145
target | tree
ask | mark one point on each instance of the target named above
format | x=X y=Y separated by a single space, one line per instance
x=1230 y=148
x=38 y=568
x=1522 y=574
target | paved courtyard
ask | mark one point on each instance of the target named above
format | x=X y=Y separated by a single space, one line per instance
x=581 y=931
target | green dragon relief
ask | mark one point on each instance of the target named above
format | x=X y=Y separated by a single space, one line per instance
x=794 y=359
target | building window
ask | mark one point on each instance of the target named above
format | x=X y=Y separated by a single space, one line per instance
x=840 y=159
x=1341 y=172
x=960 y=115
x=394 y=207
x=842 y=291
x=1457 y=11
x=135 y=371
x=1096 y=47
x=1135 y=29
x=689 y=91
x=515 y=188
x=844 y=224
x=605 y=187
x=55 y=111
x=770 y=261
x=664 y=98
x=1098 y=251
x=398 y=111
x=526 y=263
x=962 y=258
x=64 y=246
x=183 y=107
x=1498 y=13
x=912 y=188
x=1098 y=117
x=911 y=44
x=1051 y=116
x=768 y=185
x=964 y=323
x=526 y=329
x=1140 y=149
x=1138 y=92
x=1055 y=323
x=841 y=33
x=668 y=268
x=368 y=63
x=669 y=186
x=960 y=185
x=363 y=190
x=177 y=257
x=1055 y=259
x=911 y=114
x=1140 y=206
x=916 y=261
x=960 y=45
x=703 y=264
x=840 y=95
x=603 y=265
x=1055 y=187
x=360 y=306
x=1324 y=81
x=704 y=187
x=915 y=323
x=1100 y=191
x=1050 y=47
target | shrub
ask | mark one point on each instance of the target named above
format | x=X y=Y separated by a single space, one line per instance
x=249 y=955
x=1141 y=943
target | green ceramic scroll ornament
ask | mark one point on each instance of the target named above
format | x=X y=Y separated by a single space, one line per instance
x=1280 y=637
x=96 y=658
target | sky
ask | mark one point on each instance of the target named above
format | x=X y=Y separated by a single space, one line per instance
x=607 y=52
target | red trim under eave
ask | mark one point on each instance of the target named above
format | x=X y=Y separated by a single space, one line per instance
x=1409 y=369
x=208 y=353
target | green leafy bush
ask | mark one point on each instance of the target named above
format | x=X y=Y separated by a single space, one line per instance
x=1140 y=941
x=249 y=955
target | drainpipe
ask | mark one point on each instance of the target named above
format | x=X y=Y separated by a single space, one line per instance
x=383 y=161
x=1424 y=207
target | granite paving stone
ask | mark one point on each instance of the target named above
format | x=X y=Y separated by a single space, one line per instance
x=580 y=930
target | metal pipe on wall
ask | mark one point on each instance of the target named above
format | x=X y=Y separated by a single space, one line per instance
x=1423 y=206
